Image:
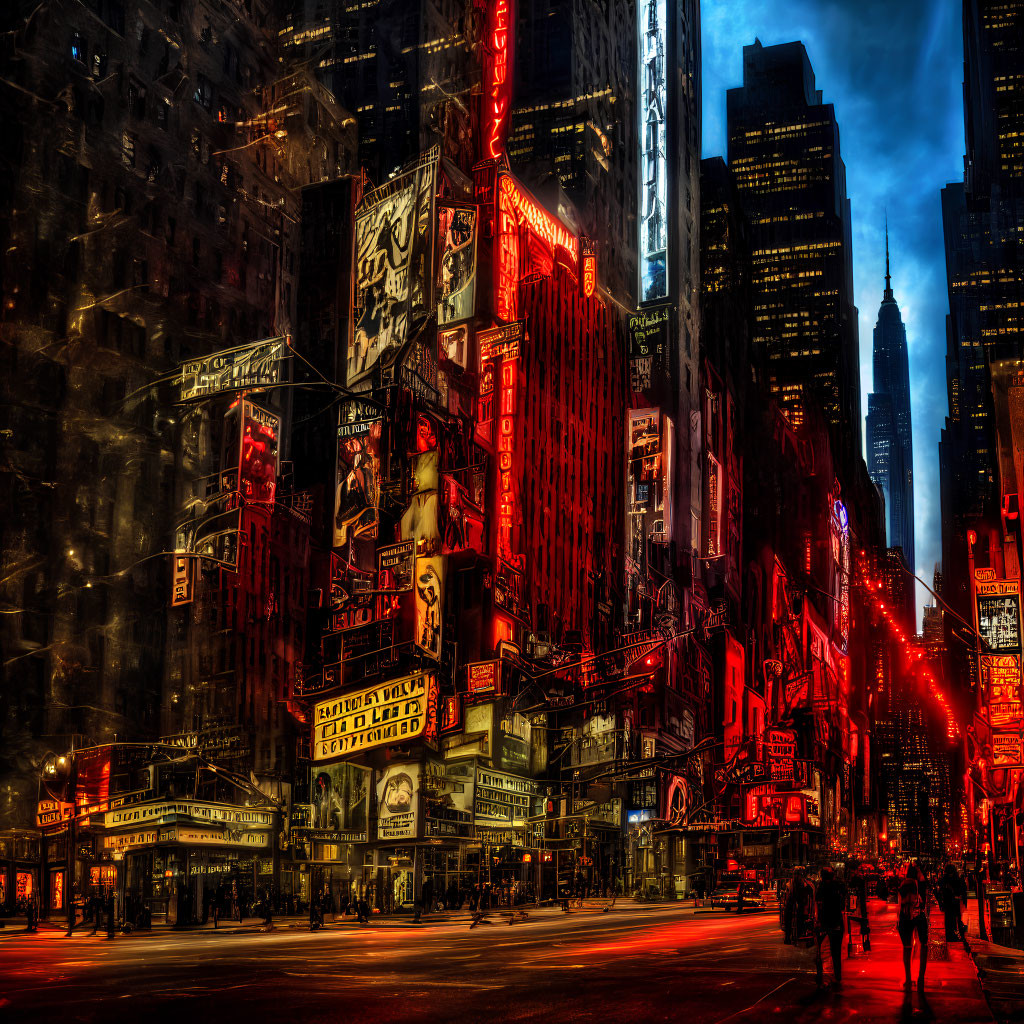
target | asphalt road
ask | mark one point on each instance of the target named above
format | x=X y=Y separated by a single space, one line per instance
x=632 y=964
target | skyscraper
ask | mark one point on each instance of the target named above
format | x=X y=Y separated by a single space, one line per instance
x=983 y=218
x=889 y=433
x=784 y=152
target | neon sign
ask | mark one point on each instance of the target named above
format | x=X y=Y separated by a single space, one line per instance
x=542 y=223
x=506 y=483
x=840 y=525
x=653 y=241
x=498 y=79
x=588 y=267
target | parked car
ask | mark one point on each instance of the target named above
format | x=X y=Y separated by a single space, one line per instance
x=728 y=897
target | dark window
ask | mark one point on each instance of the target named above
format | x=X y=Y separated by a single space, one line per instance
x=203 y=93
x=136 y=100
x=114 y=16
x=163 y=111
x=77 y=47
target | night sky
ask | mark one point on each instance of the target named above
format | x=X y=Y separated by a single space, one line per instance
x=894 y=72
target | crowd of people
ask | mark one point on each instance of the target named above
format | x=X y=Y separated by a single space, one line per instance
x=818 y=910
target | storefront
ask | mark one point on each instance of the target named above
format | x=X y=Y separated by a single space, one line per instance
x=175 y=859
x=19 y=869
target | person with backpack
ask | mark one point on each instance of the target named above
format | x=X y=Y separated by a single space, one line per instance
x=913 y=920
x=831 y=902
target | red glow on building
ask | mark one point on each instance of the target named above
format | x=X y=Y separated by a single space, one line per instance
x=497 y=79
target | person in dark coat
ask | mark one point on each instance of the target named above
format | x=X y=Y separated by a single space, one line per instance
x=953 y=897
x=831 y=901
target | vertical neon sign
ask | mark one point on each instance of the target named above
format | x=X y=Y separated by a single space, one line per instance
x=506 y=265
x=653 y=223
x=498 y=79
x=506 y=476
x=588 y=267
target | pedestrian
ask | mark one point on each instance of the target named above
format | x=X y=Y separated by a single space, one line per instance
x=952 y=896
x=111 y=922
x=799 y=910
x=831 y=903
x=30 y=914
x=913 y=920
x=362 y=910
x=859 y=892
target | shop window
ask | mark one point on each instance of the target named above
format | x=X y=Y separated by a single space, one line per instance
x=56 y=890
x=25 y=885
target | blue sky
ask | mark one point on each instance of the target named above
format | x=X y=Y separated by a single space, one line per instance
x=894 y=71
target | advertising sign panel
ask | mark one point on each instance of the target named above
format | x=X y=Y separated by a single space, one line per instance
x=483 y=678
x=652 y=22
x=502 y=342
x=1001 y=685
x=390 y=712
x=397 y=560
x=453 y=344
x=650 y=470
x=182 y=579
x=257 y=463
x=398 y=798
x=245 y=368
x=171 y=810
x=502 y=799
x=393 y=236
x=53 y=812
x=999 y=614
x=340 y=794
x=429 y=587
x=1007 y=750
x=456 y=278
x=358 y=476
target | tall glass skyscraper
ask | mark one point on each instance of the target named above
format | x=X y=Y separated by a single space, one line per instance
x=889 y=433
x=784 y=152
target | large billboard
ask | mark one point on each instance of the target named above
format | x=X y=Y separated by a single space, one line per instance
x=998 y=613
x=456 y=277
x=393 y=237
x=357 y=479
x=392 y=712
x=653 y=131
x=502 y=799
x=245 y=368
x=1001 y=688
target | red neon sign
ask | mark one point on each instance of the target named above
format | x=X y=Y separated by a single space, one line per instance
x=507 y=262
x=506 y=481
x=542 y=223
x=498 y=79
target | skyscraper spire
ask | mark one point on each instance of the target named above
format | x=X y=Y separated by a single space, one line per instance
x=887 y=297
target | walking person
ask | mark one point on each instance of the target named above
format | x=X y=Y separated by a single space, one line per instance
x=953 y=897
x=913 y=920
x=831 y=903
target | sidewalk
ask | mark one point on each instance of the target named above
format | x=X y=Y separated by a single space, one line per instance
x=873 y=982
x=1000 y=971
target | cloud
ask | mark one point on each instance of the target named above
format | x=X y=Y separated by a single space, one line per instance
x=894 y=74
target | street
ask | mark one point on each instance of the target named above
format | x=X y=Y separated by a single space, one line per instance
x=635 y=963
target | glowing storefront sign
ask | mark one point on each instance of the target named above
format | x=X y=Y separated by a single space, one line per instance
x=653 y=241
x=497 y=78
x=161 y=810
x=387 y=713
x=1000 y=680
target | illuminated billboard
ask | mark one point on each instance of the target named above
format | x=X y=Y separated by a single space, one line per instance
x=649 y=449
x=244 y=368
x=653 y=128
x=357 y=481
x=398 y=792
x=257 y=461
x=456 y=277
x=1000 y=682
x=393 y=237
x=998 y=613
x=391 y=712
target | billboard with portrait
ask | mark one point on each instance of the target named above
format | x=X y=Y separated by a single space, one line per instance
x=393 y=240
x=398 y=798
x=456 y=275
x=357 y=483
